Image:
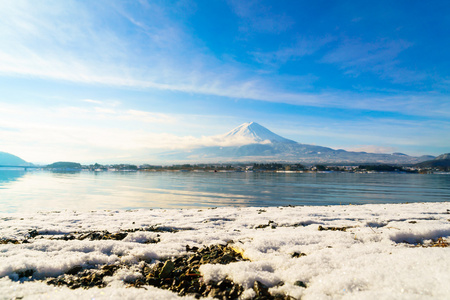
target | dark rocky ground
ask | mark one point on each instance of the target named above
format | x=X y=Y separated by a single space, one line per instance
x=179 y=274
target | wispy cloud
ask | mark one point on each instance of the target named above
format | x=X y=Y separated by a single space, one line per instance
x=354 y=53
x=380 y=57
x=257 y=16
x=111 y=103
x=302 y=47
x=107 y=112
x=92 y=101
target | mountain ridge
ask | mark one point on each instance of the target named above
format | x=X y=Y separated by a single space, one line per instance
x=264 y=145
x=443 y=156
x=441 y=161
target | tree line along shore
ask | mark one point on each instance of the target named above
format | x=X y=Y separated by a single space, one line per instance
x=249 y=167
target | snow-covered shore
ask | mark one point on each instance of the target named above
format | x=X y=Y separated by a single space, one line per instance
x=384 y=251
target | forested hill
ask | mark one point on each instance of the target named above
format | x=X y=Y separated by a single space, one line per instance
x=7 y=159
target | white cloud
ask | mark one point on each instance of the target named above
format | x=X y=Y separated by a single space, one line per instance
x=78 y=132
x=87 y=133
x=370 y=149
x=379 y=57
x=145 y=116
x=92 y=101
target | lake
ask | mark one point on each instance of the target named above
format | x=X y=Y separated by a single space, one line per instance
x=29 y=191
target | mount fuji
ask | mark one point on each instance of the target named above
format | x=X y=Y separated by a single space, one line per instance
x=251 y=142
x=254 y=132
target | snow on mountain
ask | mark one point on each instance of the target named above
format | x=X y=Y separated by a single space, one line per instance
x=255 y=133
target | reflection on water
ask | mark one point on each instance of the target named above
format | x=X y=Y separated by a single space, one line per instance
x=39 y=190
x=7 y=175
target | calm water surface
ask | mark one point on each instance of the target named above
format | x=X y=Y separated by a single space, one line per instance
x=22 y=191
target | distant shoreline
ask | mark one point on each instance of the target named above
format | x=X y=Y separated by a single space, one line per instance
x=62 y=170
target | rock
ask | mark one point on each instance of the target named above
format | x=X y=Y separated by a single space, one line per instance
x=74 y=270
x=321 y=228
x=152 y=280
x=235 y=291
x=166 y=269
x=33 y=233
x=226 y=259
x=300 y=284
x=261 y=290
x=108 y=270
x=119 y=236
x=25 y=273
x=180 y=275
x=296 y=254
x=214 y=293
x=189 y=249
x=152 y=241
x=194 y=258
x=9 y=241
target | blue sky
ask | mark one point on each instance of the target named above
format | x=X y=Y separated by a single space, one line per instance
x=113 y=81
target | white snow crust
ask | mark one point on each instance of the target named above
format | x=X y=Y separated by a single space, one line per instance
x=377 y=257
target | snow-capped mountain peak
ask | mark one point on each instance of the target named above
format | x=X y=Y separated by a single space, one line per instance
x=251 y=142
x=254 y=132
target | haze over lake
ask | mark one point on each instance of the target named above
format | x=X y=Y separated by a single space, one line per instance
x=44 y=191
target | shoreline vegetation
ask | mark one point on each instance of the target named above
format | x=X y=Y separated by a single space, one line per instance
x=254 y=167
x=367 y=251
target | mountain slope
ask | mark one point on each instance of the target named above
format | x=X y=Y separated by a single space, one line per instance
x=442 y=160
x=7 y=159
x=443 y=156
x=251 y=142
